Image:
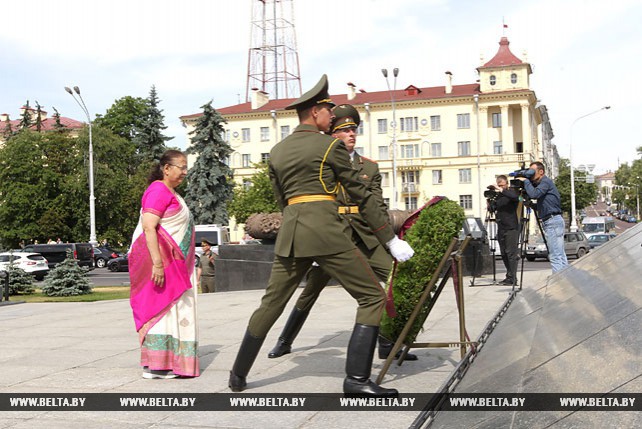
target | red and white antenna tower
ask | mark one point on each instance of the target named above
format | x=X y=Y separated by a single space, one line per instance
x=273 y=60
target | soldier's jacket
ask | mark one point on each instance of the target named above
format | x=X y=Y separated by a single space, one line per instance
x=310 y=163
x=368 y=173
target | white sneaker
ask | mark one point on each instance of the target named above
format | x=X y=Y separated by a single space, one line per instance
x=162 y=374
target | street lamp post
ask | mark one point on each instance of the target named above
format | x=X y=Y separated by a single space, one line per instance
x=570 y=160
x=395 y=72
x=92 y=198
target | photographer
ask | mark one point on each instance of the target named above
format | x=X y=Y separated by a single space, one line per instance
x=549 y=211
x=506 y=203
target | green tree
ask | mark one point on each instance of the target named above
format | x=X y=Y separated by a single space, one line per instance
x=209 y=180
x=255 y=197
x=25 y=118
x=584 y=192
x=125 y=116
x=149 y=136
x=38 y=117
x=67 y=279
x=20 y=282
x=58 y=126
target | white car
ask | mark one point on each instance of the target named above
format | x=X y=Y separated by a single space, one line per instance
x=32 y=263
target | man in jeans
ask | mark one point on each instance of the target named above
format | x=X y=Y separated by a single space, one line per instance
x=549 y=211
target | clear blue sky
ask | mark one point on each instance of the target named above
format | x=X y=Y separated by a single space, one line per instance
x=585 y=54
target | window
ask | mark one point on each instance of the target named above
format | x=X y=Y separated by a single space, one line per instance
x=383 y=152
x=265 y=134
x=435 y=123
x=409 y=124
x=497 y=148
x=385 y=179
x=497 y=120
x=247 y=159
x=463 y=120
x=226 y=136
x=463 y=148
x=411 y=176
x=466 y=201
x=513 y=78
x=411 y=203
x=464 y=175
x=382 y=126
x=265 y=157
x=359 y=150
x=386 y=201
x=247 y=184
x=410 y=151
x=245 y=134
x=492 y=79
x=435 y=150
x=436 y=177
x=285 y=131
x=360 y=129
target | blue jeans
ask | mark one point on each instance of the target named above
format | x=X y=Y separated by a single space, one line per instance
x=554 y=232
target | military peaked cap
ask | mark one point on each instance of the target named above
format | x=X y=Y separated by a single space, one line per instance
x=346 y=116
x=317 y=95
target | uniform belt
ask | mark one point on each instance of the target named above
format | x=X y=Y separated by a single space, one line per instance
x=348 y=209
x=308 y=198
x=545 y=218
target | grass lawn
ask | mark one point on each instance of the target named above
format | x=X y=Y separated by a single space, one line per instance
x=98 y=294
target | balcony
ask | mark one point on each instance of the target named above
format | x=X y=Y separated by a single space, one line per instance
x=410 y=188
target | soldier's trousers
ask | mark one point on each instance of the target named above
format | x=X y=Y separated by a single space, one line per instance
x=350 y=268
x=378 y=258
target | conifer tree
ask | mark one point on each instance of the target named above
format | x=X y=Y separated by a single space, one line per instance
x=38 y=116
x=19 y=281
x=149 y=137
x=67 y=279
x=25 y=120
x=58 y=126
x=8 y=130
x=209 y=181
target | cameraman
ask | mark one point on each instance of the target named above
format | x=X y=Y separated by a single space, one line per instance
x=507 y=227
x=549 y=211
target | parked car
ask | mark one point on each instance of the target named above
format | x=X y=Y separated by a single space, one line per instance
x=575 y=244
x=631 y=219
x=599 y=239
x=118 y=264
x=32 y=263
x=103 y=254
x=83 y=253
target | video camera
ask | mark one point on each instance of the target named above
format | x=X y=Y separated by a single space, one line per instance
x=518 y=184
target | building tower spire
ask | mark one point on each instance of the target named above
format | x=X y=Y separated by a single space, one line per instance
x=273 y=60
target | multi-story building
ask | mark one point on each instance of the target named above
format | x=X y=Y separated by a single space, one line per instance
x=450 y=140
x=605 y=184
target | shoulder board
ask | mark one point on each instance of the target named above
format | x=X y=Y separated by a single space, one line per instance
x=368 y=159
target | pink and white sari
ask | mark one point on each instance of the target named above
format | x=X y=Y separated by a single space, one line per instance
x=165 y=317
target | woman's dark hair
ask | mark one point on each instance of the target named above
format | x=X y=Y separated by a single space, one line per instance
x=167 y=158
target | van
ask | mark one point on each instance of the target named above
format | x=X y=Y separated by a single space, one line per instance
x=215 y=234
x=83 y=253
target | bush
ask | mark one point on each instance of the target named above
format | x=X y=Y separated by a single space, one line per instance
x=430 y=237
x=67 y=279
x=19 y=281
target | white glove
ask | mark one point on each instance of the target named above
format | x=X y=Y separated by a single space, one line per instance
x=400 y=250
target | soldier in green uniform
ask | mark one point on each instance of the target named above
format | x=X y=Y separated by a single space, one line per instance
x=307 y=169
x=345 y=124
x=205 y=271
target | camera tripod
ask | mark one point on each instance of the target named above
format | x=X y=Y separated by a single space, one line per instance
x=523 y=236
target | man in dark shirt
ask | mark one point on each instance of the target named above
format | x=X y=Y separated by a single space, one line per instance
x=507 y=227
x=549 y=211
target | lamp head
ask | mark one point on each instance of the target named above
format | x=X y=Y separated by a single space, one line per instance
x=68 y=90
x=384 y=72
x=77 y=90
x=607 y=107
x=395 y=71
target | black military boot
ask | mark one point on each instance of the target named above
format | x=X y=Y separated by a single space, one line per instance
x=244 y=359
x=385 y=347
x=289 y=333
x=359 y=364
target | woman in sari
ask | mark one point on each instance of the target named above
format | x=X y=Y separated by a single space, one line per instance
x=162 y=275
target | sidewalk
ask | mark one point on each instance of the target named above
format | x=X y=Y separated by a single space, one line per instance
x=93 y=348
